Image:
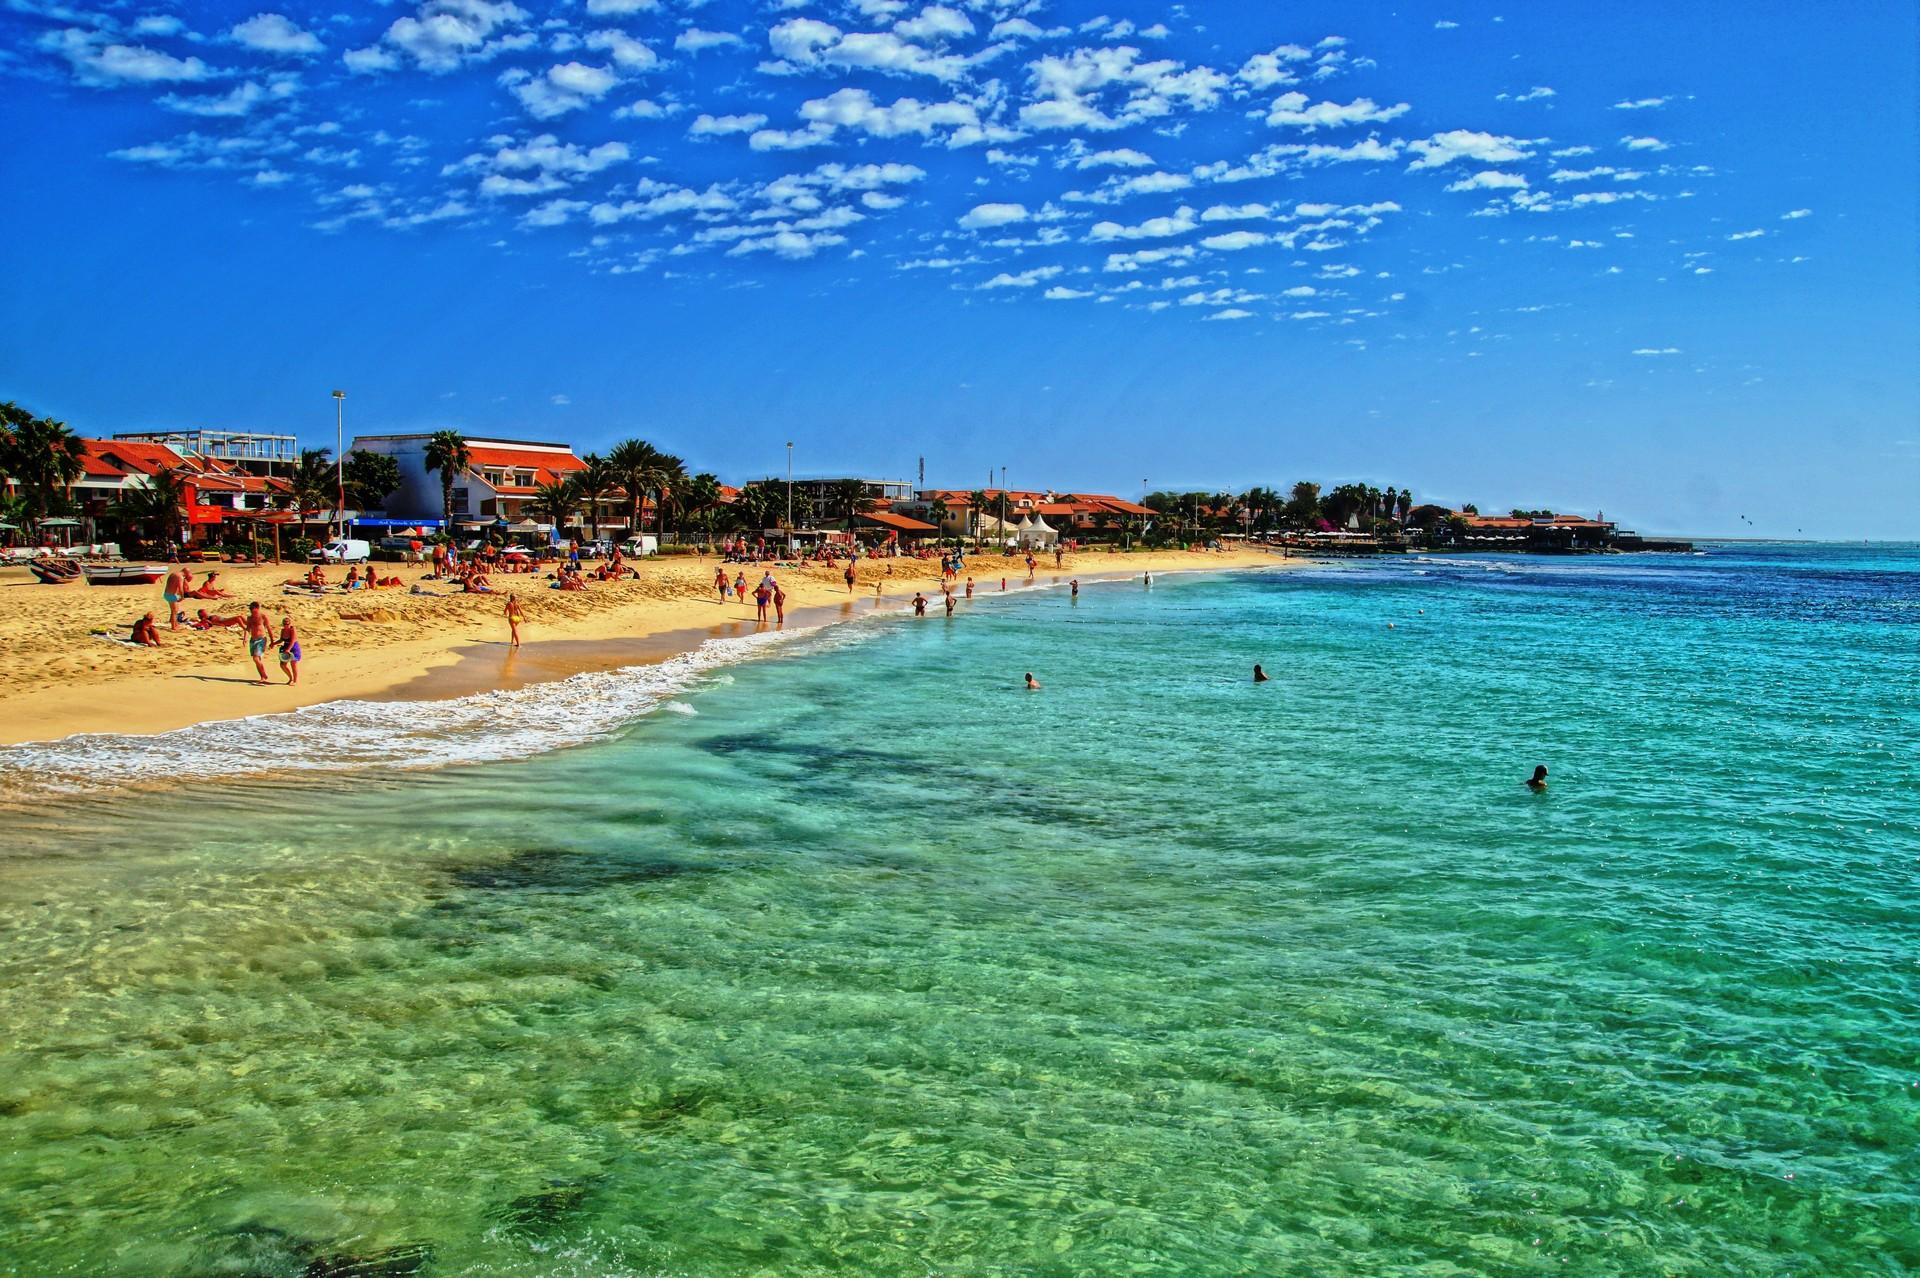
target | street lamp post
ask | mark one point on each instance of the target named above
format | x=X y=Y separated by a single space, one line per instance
x=339 y=460
x=789 y=497
x=1003 y=507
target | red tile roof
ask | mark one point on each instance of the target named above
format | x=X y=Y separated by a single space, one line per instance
x=900 y=522
x=127 y=457
x=520 y=459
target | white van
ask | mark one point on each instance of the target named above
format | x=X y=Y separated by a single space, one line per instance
x=641 y=546
x=342 y=551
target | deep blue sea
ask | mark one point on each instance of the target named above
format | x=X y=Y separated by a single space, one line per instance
x=840 y=953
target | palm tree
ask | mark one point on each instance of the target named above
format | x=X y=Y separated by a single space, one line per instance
x=937 y=511
x=978 y=500
x=160 y=503
x=1303 y=503
x=371 y=478
x=312 y=481
x=754 y=508
x=848 y=496
x=41 y=455
x=447 y=453
x=669 y=474
x=696 y=499
x=634 y=461
x=554 y=503
x=592 y=482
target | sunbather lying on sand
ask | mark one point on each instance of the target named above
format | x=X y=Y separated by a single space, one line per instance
x=207 y=621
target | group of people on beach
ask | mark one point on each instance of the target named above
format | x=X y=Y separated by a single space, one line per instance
x=257 y=624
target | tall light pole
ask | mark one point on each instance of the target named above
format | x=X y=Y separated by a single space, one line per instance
x=1003 y=507
x=789 y=496
x=339 y=460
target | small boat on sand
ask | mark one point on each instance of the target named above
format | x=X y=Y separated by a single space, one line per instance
x=54 y=572
x=123 y=574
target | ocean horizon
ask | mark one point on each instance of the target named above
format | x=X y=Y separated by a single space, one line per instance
x=838 y=951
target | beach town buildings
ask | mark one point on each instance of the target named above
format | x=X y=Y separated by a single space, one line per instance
x=250 y=452
x=218 y=491
x=501 y=477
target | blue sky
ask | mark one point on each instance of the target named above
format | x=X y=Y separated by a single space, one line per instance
x=1659 y=260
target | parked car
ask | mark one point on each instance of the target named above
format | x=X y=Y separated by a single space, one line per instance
x=638 y=547
x=342 y=551
x=599 y=548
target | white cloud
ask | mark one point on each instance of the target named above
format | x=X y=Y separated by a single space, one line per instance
x=1234 y=241
x=1154 y=228
x=1490 y=180
x=1747 y=235
x=96 y=62
x=936 y=22
x=621 y=7
x=275 y=33
x=811 y=42
x=628 y=53
x=1795 y=215
x=1465 y=144
x=1445 y=24
x=1643 y=144
x=1061 y=293
x=983 y=216
x=238 y=101
x=856 y=109
x=442 y=34
x=559 y=401
x=788 y=243
x=1291 y=109
x=1535 y=94
x=1641 y=104
x=1265 y=70
x=1231 y=313
x=718 y=125
x=694 y=40
x=1120 y=158
x=1235 y=212
x=1069 y=89
x=1657 y=350
x=563 y=88
x=1025 y=279
x=1149 y=257
x=553 y=213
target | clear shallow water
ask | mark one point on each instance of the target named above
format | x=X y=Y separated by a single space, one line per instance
x=864 y=961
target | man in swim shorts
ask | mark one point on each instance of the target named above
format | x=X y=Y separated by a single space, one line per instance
x=179 y=582
x=259 y=635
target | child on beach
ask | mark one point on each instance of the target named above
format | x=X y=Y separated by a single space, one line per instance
x=289 y=651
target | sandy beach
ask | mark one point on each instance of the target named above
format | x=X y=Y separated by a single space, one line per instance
x=61 y=678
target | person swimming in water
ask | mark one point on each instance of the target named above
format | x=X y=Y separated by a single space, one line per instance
x=1259 y=675
x=1538 y=781
x=1033 y=684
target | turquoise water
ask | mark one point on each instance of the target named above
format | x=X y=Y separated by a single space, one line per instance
x=857 y=959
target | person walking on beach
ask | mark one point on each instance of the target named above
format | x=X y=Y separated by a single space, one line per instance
x=740 y=587
x=179 y=582
x=849 y=575
x=259 y=635
x=515 y=615
x=289 y=651
x=720 y=583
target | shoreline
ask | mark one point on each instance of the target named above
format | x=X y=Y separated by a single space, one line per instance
x=444 y=646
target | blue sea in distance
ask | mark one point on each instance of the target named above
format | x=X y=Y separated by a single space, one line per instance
x=852 y=957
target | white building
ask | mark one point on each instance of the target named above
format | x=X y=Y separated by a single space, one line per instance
x=502 y=474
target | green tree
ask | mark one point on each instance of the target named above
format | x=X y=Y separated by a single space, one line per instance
x=697 y=498
x=448 y=454
x=977 y=500
x=311 y=482
x=554 y=503
x=636 y=463
x=849 y=496
x=757 y=506
x=593 y=481
x=158 y=506
x=371 y=478
x=937 y=509
x=42 y=457
x=1303 y=504
x=669 y=476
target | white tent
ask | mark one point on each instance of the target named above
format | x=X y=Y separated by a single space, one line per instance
x=1034 y=531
